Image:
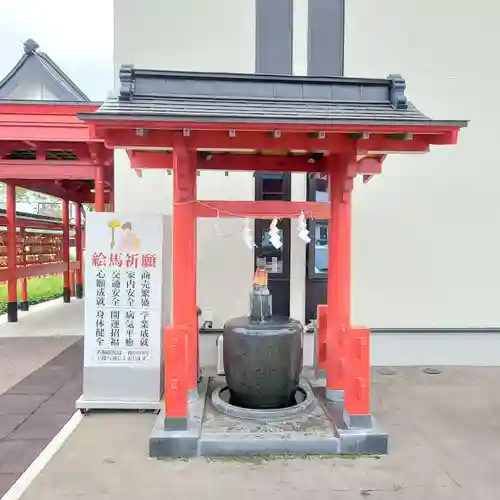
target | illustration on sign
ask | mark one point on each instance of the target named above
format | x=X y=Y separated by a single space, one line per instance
x=127 y=240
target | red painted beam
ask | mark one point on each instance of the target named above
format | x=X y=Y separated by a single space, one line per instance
x=43 y=122
x=84 y=151
x=449 y=138
x=45 y=108
x=11 y=130
x=264 y=141
x=103 y=125
x=262 y=209
x=100 y=154
x=49 y=187
x=161 y=160
x=4 y=274
x=242 y=162
x=41 y=269
x=37 y=270
x=418 y=144
x=45 y=169
x=370 y=165
x=32 y=224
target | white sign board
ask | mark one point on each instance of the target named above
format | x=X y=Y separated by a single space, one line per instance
x=123 y=288
x=123 y=296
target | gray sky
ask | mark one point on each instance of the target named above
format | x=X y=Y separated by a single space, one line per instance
x=78 y=36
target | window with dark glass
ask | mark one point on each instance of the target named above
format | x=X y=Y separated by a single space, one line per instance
x=269 y=257
x=273 y=186
x=318 y=191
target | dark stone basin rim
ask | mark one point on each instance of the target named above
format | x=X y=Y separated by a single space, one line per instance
x=263 y=415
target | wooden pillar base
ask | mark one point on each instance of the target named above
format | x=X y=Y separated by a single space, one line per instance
x=320 y=360
x=357 y=394
x=71 y=283
x=24 y=305
x=364 y=421
x=175 y=424
x=12 y=315
x=66 y=295
x=174 y=353
x=79 y=291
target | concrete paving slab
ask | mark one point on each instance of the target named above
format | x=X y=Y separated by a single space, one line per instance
x=48 y=382
x=19 y=357
x=51 y=319
x=444 y=443
x=6 y=481
x=16 y=456
x=56 y=404
x=40 y=425
x=97 y=458
x=8 y=423
x=24 y=404
x=33 y=411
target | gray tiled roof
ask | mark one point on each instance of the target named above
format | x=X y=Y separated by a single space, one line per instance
x=235 y=110
x=38 y=66
x=203 y=97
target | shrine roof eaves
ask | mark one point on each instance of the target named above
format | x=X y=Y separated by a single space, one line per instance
x=29 y=102
x=35 y=65
x=156 y=96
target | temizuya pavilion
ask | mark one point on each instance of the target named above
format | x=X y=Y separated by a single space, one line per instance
x=340 y=126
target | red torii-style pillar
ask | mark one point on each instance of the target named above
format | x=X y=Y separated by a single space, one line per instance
x=347 y=356
x=79 y=251
x=181 y=339
x=12 y=264
x=347 y=360
x=96 y=154
x=72 y=280
x=65 y=250
x=12 y=307
x=99 y=194
x=24 y=305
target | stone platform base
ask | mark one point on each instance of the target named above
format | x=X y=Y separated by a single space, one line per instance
x=85 y=405
x=319 y=429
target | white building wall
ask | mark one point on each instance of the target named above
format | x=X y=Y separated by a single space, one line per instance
x=298 y=180
x=425 y=244
x=191 y=35
x=205 y=36
x=32 y=91
x=425 y=233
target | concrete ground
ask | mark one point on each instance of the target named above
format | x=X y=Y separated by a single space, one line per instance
x=41 y=360
x=445 y=442
x=50 y=319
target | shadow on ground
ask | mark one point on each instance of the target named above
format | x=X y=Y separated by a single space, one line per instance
x=34 y=410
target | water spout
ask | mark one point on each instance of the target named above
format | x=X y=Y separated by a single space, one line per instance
x=261 y=304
